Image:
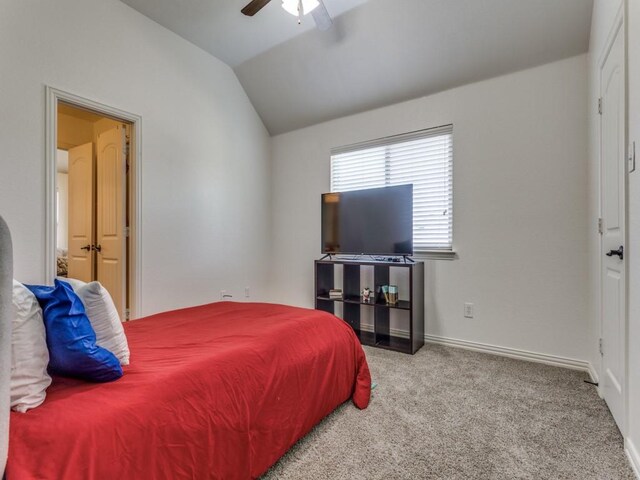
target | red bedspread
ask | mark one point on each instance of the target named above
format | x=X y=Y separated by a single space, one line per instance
x=216 y=391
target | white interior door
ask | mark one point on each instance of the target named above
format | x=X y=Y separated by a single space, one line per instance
x=612 y=130
x=111 y=215
x=81 y=212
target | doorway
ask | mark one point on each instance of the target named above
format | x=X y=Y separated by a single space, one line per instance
x=92 y=221
x=92 y=160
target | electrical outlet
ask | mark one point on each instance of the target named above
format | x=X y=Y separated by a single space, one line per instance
x=247 y=293
x=468 y=310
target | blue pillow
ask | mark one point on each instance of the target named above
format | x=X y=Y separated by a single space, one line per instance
x=70 y=338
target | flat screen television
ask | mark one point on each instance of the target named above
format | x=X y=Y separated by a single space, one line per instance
x=376 y=221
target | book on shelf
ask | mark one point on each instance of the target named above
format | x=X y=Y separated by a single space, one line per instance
x=335 y=293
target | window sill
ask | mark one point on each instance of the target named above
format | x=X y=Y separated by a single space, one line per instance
x=436 y=255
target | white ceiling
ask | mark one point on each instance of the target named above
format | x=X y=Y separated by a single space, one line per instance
x=218 y=27
x=379 y=53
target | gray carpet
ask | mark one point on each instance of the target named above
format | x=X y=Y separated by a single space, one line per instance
x=455 y=414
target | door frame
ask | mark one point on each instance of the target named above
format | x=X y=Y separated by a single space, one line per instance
x=52 y=97
x=618 y=27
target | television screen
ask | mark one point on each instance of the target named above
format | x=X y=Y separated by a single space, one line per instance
x=376 y=221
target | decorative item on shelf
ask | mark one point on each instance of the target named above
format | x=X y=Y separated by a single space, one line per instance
x=385 y=292
x=366 y=295
x=393 y=294
x=335 y=293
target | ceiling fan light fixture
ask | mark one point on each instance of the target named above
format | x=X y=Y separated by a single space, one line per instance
x=306 y=6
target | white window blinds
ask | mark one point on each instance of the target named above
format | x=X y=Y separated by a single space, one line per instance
x=423 y=158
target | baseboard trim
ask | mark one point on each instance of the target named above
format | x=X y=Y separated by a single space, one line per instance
x=554 y=360
x=633 y=456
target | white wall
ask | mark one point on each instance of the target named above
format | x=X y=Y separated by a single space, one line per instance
x=633 y=55
x=520 y=207
x=205 y=161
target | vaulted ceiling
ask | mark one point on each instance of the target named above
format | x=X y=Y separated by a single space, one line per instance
x=378 y=52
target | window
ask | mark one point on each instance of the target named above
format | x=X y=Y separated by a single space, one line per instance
x=423 y=158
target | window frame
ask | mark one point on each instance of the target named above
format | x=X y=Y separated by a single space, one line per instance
x=447 y=253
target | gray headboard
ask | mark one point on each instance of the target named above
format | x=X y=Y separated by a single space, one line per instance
x=6 y=279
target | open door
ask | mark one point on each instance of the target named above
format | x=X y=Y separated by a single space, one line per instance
x=613 y=272
x=111 y=216
x=81 y=212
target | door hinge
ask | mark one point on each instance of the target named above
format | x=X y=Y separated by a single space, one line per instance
x=600 y=228
x=127 y=231
x=600 y=346
x=600 y=105
x=127 y=313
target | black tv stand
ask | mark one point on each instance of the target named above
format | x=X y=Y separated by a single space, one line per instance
x=409 y=311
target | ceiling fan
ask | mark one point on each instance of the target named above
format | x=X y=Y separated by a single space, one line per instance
x=298 y=8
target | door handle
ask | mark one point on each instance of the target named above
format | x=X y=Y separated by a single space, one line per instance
x=619 y=252
x=86 y=247
x=97 y=248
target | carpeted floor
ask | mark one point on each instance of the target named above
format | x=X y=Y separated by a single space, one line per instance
x=455 y=414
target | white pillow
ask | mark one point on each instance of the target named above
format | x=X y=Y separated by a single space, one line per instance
x=104 y=319
x=74 y=282
x=29 y=353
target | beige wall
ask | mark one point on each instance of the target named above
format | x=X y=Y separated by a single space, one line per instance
x=62 y=230
x=73 y=131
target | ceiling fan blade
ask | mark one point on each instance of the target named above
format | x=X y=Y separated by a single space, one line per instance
x=254 y=7
x=321 y=17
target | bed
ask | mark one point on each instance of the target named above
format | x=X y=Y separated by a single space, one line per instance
x=215 y=391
